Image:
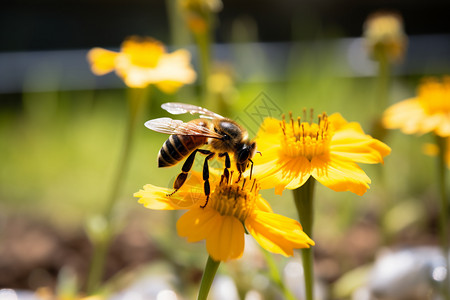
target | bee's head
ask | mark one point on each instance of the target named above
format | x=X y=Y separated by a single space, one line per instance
x=244 y=154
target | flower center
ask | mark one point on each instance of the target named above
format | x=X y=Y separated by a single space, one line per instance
x=235 y=199
x=306 y=139
x=434 y=96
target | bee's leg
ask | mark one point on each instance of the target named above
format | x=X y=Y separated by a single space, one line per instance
x=226 y=173
x=251 y=168
x=206 y=186
x=181 y=178
x=239 y=177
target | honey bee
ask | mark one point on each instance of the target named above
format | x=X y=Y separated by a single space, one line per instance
x=220 y=135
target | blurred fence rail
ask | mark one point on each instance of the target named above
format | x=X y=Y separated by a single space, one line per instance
x=68 y=69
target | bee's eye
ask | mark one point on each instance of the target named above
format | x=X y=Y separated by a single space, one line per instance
x=243 y=155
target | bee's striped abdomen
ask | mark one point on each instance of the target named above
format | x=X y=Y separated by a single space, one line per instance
x=177 y=147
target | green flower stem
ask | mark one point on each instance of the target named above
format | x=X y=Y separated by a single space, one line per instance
x=137 y=99
x=382 y=96
x=208 y=278
x=276 y=277
x=203 y=41
x=443 y=218
x=384 y=74
x=303 y=198
x=178 y=31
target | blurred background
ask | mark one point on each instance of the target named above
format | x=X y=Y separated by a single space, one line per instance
x=62 y=130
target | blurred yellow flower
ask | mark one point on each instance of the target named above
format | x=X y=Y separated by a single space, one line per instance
x=201 y=5
x=198 y=13
x=328 y=150
x=144 y=61
x=433 y=150
x=384 y=36
x=428 y=112
x=233 y=209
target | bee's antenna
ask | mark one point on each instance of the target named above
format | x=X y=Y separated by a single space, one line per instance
x=259 y=152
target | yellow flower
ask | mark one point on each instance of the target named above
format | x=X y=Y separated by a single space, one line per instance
x=233 y=209
x=328 y=150
x=384 y=36
x=428 y=112
x=198 y=13
x=201 y=5
x=433 y=150
x=144 y=61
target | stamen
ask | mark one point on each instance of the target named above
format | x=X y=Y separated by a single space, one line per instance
x=253 y=185
x=283 y=129
x=292 y=120
x=307 y=139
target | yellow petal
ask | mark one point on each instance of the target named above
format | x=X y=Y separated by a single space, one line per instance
x=170 y=73
x=352 y=145
x=189 y=195
x=407 y=115
x=102 y=61
x=224 y=235
x=268 y=127
x=440 y=124
x=168 y=86
x=277 y=233
x=337 y=120
x=155 y=197
x=226 y=240
x=339 y=175
x=268 y=140
x=175 y=67
x=133 y=76
x=197 y=223
x=411 y=117
x=287 y=173
x=143 y=52
x=263 y=205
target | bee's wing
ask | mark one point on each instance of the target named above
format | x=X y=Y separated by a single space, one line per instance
x=176 y=108
x=170 y=126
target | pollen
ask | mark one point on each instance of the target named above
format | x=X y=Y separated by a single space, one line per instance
x=306 y=139
x=434 y=96
x=237 y=199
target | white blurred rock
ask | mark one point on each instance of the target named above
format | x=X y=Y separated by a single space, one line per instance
x=294 y=280
x=409 y=274
x=224 y=288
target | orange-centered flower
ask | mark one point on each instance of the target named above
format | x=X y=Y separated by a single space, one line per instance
x=233 y=208
x=144 y=61
x=428 y=112
x=328 y=150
